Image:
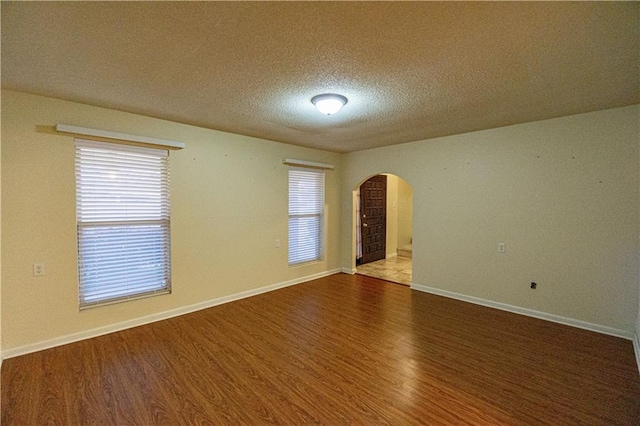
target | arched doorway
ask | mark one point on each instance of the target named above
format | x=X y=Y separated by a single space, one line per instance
x=383 y=224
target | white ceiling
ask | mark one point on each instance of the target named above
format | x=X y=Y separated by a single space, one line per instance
x=411 y=70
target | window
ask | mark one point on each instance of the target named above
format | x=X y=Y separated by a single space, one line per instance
x=306 y=214
x=122 y=204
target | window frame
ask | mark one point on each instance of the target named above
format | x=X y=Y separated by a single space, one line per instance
x=300 y=210
x=123 y=222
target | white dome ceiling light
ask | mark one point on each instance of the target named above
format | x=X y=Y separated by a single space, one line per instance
x=329 y=103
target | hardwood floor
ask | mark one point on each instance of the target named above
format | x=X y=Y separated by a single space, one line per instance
x=338 y=350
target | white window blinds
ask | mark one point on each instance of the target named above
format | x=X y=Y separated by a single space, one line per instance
x=306 y=214
x=122 y=202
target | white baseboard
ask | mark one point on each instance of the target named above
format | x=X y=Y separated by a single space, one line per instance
x=88 y=334
x=636 y=348
x=525 y=311
x=349 y=271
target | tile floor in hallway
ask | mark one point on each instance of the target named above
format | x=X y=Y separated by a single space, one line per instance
x=396 y=269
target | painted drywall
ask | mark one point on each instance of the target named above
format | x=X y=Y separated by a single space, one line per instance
x=636 y=338
x=637 y=331
x=405 y=213
x=0 y=249
x=399 y=214
x=562 y=194
x=228 y=206
x=392 y=216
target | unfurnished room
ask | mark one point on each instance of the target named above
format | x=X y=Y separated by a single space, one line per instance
x=363 y=213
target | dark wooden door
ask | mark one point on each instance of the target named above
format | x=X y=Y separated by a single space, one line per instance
x=373 y=211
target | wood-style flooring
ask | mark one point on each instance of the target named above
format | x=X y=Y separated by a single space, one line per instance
x=345 y=349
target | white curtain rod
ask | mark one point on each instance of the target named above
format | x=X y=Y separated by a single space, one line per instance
x=82 y=131
x=303 y=163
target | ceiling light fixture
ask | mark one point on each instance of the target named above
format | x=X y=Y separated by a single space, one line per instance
x=329 y=103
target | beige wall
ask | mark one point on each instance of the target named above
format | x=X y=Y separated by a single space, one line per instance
x=229 y=205
x=0 y=249
x=562 y=194
x=392 y=215
x=399 y=213
x=637 y=333
x=405 y=213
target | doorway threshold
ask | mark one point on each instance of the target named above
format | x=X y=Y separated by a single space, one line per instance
x=395 y=269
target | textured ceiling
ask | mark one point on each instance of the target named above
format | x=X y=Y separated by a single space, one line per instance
x=411 y=70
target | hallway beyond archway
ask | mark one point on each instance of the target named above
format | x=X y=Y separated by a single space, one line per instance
x=396 y=269
x=395 y=209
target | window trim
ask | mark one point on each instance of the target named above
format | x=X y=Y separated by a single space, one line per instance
x=103 y=205
x=315 y=211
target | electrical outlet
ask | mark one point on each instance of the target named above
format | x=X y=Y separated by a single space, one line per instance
x=534 y=285
x=38 y=269
x=502 y=248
